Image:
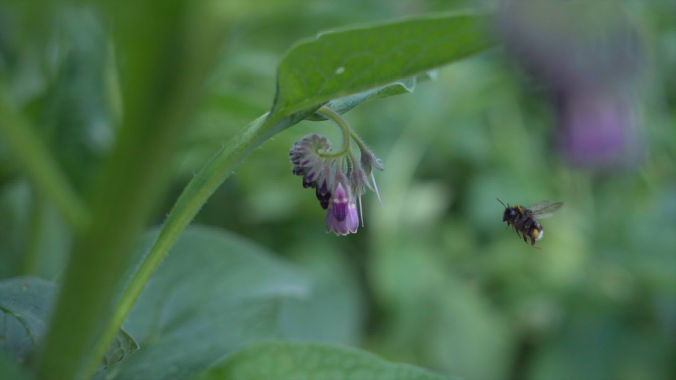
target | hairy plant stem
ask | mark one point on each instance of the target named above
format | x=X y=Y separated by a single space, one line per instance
x=344 y=127
x=191 y=200
x=360 y=143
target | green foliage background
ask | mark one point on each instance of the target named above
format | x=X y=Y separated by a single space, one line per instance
x=434 y=279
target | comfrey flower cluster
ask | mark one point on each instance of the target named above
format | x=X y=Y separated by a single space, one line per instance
x=339 y=179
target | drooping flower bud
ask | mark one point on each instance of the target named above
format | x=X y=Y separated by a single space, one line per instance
x=307 y=162
x=369 y=160
x=323 y=198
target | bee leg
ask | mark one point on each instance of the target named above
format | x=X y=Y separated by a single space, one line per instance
x=532 y=241
x=525 y=239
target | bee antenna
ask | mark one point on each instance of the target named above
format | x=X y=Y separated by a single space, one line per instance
x=501 y=202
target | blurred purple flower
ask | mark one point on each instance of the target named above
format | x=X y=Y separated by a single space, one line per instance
x=588 y=57
x=598 y=129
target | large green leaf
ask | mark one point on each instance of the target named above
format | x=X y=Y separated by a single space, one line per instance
x=333 y=311
x=346 y=103
x=25 y=305
x=341 y=63
x=291 y=361
x=213 y=294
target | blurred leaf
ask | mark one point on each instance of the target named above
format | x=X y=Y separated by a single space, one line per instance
x=212 y=295
x=332 y=312
x=290 y=361
x=11 y=371
x=14 y=209
x=371 y=58
x=26 y=33
x=51 y=243
x=25 y=304
x=464 y=315
x=76 y=117
x=600 y=346
x=48 y=234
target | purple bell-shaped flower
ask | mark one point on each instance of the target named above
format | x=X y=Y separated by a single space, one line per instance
x=342 y=217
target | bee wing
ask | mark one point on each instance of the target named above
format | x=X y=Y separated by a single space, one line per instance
x=539 y=205
x=544 y=209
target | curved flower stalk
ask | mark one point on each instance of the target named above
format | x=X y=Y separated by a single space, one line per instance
x=339 y=179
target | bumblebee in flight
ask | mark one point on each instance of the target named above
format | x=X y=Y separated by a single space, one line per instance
x=522 y=219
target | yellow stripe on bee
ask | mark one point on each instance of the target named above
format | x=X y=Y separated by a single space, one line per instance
x=519 y=209
x=537 y=234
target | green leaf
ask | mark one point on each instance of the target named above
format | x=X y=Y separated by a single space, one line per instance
x=333 y=311
x=214 y=294
x=122 y=345
x=346 y=103
x=291 y=361
x=11 y=371
x=346 y=62
x=25 y=305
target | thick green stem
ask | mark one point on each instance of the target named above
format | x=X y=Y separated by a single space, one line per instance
x=166 y=62
x=191 y=200
x=41 y=167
